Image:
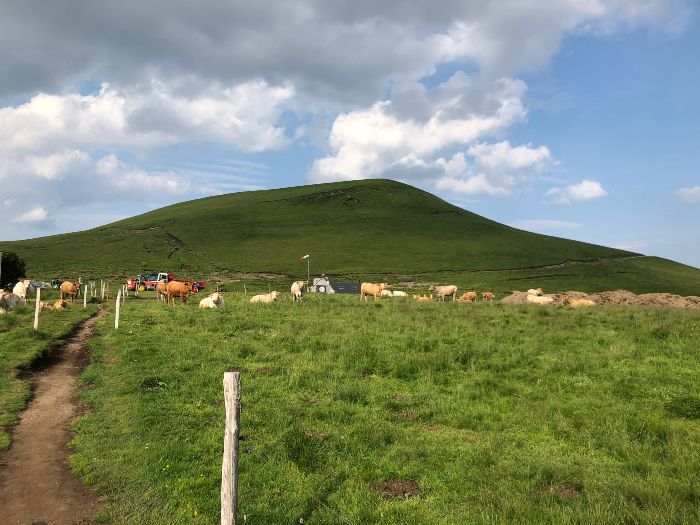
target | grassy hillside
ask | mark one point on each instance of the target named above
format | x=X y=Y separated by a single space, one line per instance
x=358 y=228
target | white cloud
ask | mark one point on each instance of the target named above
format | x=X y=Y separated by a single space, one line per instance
x=243 y=116
x=545 y=224
x=583 y=191
x=689 y=194
x=502 y=157
x=384 y=141
x=37 y=214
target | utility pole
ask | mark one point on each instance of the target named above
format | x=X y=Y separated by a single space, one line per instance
x=0 y=267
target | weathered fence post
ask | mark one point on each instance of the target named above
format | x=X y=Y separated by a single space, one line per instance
x=244 y=290
x=102 y=290
x=36 y=309
x=116 y=315
x=85 y=295
x=229 y=465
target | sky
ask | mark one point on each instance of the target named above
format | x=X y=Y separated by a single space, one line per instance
x=574 y=118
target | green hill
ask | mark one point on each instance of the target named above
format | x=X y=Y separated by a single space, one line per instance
x=359 y=229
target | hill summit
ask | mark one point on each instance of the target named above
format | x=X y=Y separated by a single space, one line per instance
x=358 y=228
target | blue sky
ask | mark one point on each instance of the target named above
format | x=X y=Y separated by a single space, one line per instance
x=572 y=118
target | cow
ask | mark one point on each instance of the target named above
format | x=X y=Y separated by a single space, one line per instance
x=161 y=290
x=20 y=288
x=297 y=290
x=179 y=289
x=468 y=297
x=443 y=291
x=375 y=290
x=215 y=300
x=487 y=296
x=264 y=298
x=68 y=289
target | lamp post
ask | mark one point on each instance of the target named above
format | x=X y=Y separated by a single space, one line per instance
x=308 y=268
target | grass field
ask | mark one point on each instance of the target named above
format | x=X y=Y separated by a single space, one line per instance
x=482 y=413
x=20 y=346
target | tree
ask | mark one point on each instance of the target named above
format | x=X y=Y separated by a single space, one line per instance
x=12 y=269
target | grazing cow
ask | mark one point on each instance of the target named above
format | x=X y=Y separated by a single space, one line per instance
x=60 y=304
x=375 y=290
x=297 y=290
x=264 y=298
x=536 y=299
x=399 y=293
x=487 y=296
x=215 y=300
x=161 y=290
x=68 y=289
x=535 y=291
x=9 y=301
x=443 y=291
x=20 y=288
x=468 y=297
x=179 y=289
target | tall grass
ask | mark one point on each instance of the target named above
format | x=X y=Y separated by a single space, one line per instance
x=497 y=414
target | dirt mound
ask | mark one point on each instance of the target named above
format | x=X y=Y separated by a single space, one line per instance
x=620 y=298
x=397 y=488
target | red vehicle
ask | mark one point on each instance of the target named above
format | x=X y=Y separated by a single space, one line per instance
x=149 y=282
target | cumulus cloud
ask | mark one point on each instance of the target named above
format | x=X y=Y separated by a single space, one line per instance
x=242 y=116
x=689 y=194
x=583 y=191
x=389 y=140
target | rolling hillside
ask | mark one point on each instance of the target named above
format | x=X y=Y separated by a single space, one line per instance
x=362 y=229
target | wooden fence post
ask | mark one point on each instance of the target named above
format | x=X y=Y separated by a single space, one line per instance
x=86 y=292
x=229 y=465
x=36 y=309
x=118 y=304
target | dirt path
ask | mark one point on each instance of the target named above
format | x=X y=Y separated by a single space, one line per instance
x=36 y=484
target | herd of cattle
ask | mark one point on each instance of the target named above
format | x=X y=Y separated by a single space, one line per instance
x=167 y=292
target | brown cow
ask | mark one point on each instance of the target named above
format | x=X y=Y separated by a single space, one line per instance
x=60 y=304
x=179 y=289
x=487 y=296
x=468 y=297
x=161 y=290
x=68 y=289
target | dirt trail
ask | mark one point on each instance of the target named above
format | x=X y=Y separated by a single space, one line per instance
x=36 y=484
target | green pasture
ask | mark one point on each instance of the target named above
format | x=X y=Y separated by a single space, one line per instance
x=20 y=346
x=481 y=413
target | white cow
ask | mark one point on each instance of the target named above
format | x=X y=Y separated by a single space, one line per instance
x=297 y=290
x=21 y=288
x=264 y=298
x=215 y=300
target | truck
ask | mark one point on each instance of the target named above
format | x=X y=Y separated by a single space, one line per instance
x=149 y=281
